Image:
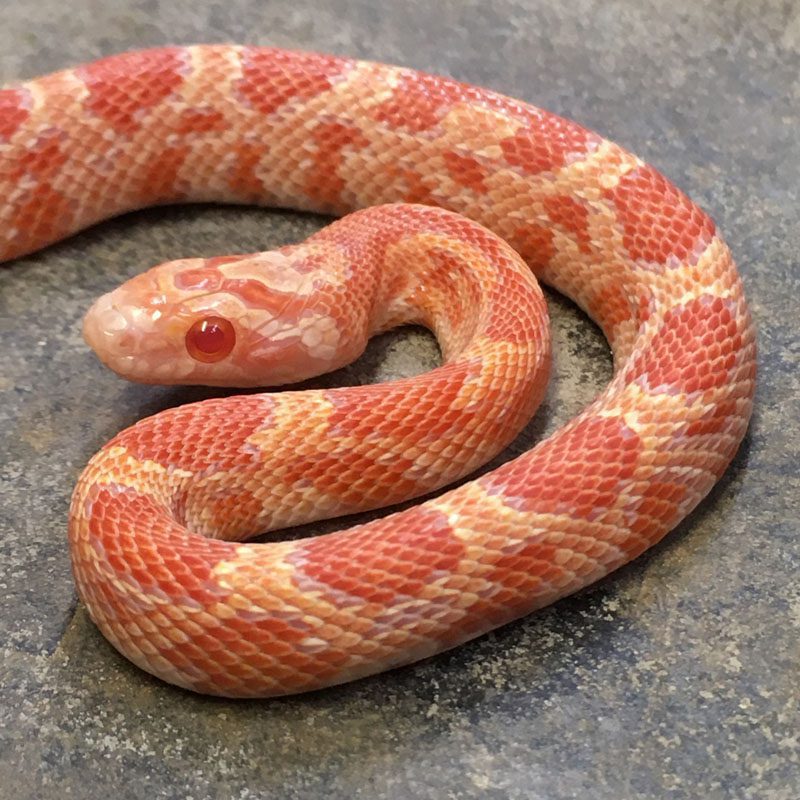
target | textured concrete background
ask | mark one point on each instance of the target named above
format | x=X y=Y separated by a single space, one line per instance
x=676 y=678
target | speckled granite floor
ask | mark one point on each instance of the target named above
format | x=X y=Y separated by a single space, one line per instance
x=676 y=678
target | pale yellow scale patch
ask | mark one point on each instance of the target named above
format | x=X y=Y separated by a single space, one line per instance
x=241 y=574
x=361 y=83
x=318 y=440
x=473 y=129
x=683 y=283
x=587 y=178
x=634 y=405
x=713 y=270
x=598 y=171
x=509 y=530
x=204 y=174
x=491 y=352
x=226 y=63
x=63 y=90
x=650 y=416
x=329 y=626
x=120 y=468
x=474 y=495
x=284 y=422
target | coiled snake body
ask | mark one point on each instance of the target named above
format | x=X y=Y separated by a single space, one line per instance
x=158 y=517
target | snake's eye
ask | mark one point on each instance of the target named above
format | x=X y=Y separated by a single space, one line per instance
x=210 y=339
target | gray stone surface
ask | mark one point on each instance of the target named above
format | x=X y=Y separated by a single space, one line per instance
x=675 y=678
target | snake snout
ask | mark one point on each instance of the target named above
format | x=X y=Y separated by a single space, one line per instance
x=122 y=336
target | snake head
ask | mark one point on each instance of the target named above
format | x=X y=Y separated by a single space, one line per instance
x=257 y=320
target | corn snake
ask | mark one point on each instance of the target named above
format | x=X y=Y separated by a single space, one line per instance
x=307 y=131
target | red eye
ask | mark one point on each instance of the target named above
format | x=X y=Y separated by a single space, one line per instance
x=210 y=339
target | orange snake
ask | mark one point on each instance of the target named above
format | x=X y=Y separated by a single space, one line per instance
x=159 y=514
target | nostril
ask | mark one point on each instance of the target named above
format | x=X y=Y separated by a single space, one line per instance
x=126 y=342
